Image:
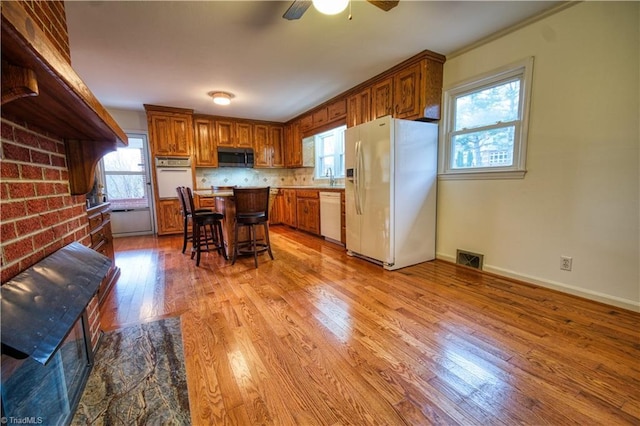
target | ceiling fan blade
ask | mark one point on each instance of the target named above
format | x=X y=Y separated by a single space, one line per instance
x=384 y=4
x=296 y=10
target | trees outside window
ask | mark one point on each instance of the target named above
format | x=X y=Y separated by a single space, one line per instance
x=485 y=124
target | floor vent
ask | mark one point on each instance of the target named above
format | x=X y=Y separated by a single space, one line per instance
x=466 y=258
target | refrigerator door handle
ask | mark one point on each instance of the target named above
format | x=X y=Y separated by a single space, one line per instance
x=357 y=179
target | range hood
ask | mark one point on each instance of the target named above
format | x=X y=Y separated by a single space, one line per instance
x=41 y=304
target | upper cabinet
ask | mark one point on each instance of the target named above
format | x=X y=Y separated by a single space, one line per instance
x=233 y=133
x=327 y=113
x=293 y=145
x=269 y=142
x=412 y=90
x=359 y=107
x=205 y=147
x=170 y=130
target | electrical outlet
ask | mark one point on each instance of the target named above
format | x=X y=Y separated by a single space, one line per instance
x=565 y=263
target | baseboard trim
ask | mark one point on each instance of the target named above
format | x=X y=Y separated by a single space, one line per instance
x=553 y=285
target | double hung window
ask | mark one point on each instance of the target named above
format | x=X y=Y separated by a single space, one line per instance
x=485 y=125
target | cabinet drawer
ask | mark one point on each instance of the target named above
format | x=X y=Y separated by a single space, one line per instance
x=98 y=236
x=95 y=221
x=207 y=202
x=307 y=193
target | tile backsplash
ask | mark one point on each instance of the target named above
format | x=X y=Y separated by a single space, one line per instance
x=229 y=176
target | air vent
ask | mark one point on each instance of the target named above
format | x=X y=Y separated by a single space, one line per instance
x=466 y=258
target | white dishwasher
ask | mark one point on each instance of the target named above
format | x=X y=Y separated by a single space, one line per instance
x=330 y=226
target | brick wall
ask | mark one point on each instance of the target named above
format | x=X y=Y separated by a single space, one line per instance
x=38 y=215
x=50 y=17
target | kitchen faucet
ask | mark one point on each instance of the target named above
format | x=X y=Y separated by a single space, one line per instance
x=329 y=174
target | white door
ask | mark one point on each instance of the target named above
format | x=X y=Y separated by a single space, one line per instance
x=127 y=185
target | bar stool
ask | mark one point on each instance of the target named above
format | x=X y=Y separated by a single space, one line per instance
x=204 y=240
x=252 y=209
x=186 y=236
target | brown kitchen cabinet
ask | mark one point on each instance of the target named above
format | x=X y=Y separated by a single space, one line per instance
x=206 y=154
x=269 y=149
x=308 y=211
x=276 y=213
x=382 y=98
x=289 y=213
x=337 y=110
x=292 y=145
x=102 y=241
x=169 y=216
x=170 y=131
x=359 y=108
x=234 y=134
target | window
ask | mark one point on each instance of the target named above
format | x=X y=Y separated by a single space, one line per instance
x=330 y=153
x=126 y=176
x=485 y=125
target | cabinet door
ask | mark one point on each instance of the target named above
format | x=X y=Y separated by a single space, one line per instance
x=382 y=98
x=290 y=216
x=244 y=136
x=313 y=216
x=359 y=108
x=276 y=139
x=306 y=122
x=224 y=133
x=308 y=210
x=161 y=134
x=320 y=117
x=293 y=145
x=262 y=153
x=406 y=93
x=169 y=217
x=206 y=153
x=182 y=130
x=337 y=110
x=276 y=215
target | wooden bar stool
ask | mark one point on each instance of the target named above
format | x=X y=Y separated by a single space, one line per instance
x=207 y=229
x=186 y=236
x=252 y=209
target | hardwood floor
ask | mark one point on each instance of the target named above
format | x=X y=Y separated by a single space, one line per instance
x=316 y=337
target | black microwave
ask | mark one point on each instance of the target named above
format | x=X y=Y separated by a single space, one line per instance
x=235 y=157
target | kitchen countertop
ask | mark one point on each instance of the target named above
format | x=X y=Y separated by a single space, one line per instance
x=209 y=193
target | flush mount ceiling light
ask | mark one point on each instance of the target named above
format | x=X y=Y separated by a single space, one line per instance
x=330 y=7
x=221 y=98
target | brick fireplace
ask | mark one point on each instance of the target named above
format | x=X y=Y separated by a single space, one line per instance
x=53 y=133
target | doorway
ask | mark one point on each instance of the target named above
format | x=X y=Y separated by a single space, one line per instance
x=127 y=181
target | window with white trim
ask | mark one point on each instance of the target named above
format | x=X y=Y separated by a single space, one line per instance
x=485 y=125
x=329 y=147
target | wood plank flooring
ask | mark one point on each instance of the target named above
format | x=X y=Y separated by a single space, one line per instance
x=316 y=337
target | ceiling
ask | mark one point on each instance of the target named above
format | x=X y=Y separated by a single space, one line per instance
x=173 y=53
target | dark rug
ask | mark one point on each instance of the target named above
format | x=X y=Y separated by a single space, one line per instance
x=138 y=378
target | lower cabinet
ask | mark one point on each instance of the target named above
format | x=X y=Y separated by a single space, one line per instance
x=102 y=242
x=308 y=211
x=169 y=217
x=289 y=207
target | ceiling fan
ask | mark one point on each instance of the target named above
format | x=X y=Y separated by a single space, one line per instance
x=299 y=7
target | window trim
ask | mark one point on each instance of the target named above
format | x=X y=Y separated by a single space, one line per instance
x=522 y=68
x=318 y=174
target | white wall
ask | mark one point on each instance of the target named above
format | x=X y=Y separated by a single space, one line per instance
x=130 y=121
x=580 y=196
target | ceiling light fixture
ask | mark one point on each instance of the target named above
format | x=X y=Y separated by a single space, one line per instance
x=330 y=7
x=221 y=98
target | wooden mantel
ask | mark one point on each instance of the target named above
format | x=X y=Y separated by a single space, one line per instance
x=40 y=87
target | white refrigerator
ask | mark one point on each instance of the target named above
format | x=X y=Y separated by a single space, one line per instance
x=390 y=190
